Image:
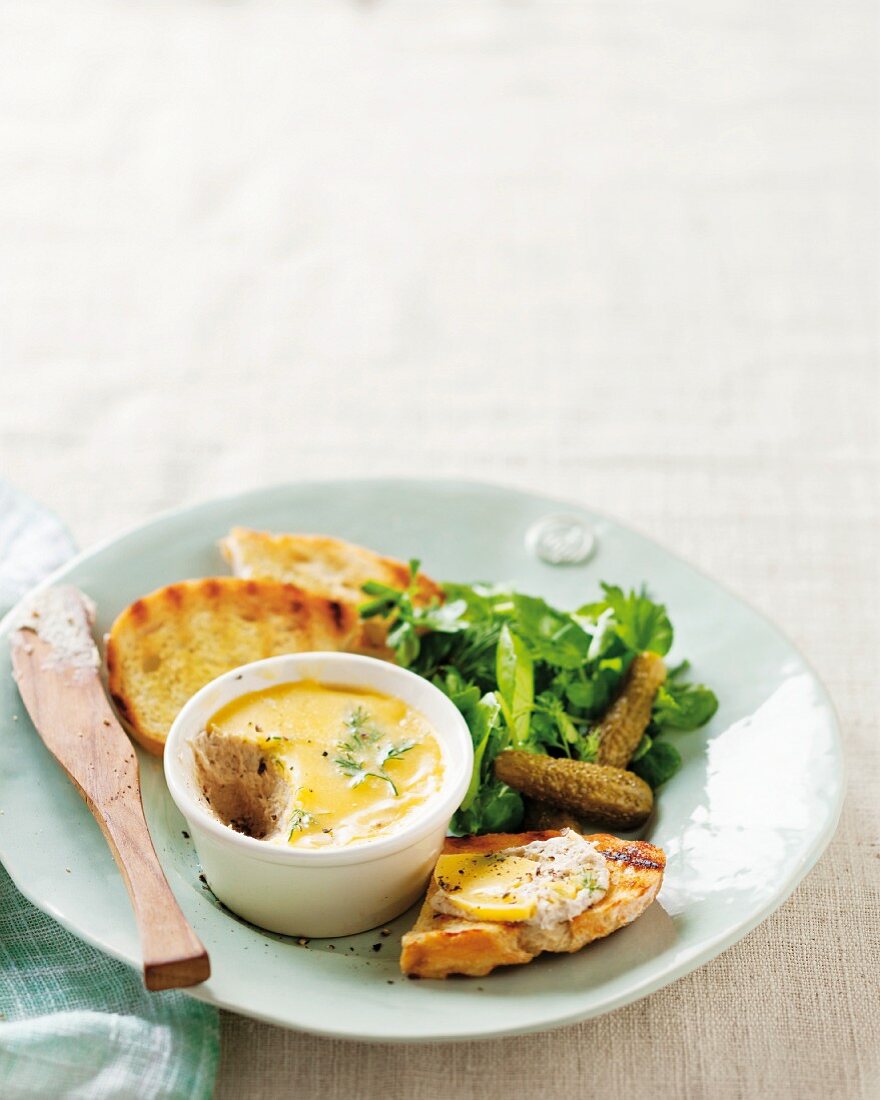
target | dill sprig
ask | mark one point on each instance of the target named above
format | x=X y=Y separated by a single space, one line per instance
x=300 y=820
x=394 y=752
x=355 y=750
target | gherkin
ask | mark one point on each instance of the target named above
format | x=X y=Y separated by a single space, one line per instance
x=626 y=720
x=610 y=795
x=541 y=815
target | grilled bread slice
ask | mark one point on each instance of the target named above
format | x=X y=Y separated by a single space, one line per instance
x=324 y=566
x=439 y=945
x=167 y=645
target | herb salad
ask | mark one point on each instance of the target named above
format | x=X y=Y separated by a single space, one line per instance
x=531 y=677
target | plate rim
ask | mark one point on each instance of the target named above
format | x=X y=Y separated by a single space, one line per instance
x=678 y=969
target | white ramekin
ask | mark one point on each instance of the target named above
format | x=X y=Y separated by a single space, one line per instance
x=332 y=892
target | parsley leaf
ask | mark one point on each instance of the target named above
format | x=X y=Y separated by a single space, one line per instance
x=683 y=706
x=497 y=808
x=658 y=764
x=641 y=623
x=553 y=636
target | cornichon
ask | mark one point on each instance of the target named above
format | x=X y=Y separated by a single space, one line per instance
x=541 y=815
x=626 y=720
x=611 y=795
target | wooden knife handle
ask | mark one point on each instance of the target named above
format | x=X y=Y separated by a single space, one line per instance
x=173 y=955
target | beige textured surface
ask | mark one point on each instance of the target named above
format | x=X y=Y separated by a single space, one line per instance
x=625 y=253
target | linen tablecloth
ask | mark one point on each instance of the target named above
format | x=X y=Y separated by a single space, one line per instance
x=623 y=253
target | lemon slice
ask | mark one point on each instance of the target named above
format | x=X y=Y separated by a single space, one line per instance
x=487 y=887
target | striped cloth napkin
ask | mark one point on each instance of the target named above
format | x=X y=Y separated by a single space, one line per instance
x=73 y=1022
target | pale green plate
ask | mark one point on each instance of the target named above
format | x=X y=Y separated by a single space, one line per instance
x=749 y=814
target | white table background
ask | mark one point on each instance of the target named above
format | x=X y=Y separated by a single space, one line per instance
x=620 y=252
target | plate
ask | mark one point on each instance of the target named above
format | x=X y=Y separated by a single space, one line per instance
x=750 y=812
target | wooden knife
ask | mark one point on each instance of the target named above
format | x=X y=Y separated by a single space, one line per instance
x=57 y=669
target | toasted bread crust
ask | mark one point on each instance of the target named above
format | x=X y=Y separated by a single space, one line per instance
x=329 y=567
x=439 y=945
x=165 y=646
x=325 y=566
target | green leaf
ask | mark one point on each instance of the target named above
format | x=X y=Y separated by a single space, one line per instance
x=553 y=636
x=482 y=719
x=595 y=691
x=588 y=747
x=381 y=605
x=683 y=706
x=465 y=695
x=497 y=809
x=641 y=623
x=515 y=672
x=567 y=728
x=444 y=618
x=583 y=693
x=376 y=588
x=543 y=730
x=658 y=764
x=404 y=640
x=483 y=601
x=502 y=809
